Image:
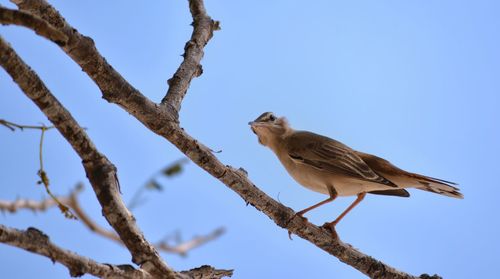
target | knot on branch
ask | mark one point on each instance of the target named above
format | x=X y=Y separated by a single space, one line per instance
x=427 y=276
x=77 y=269
x=208 y=272
x=37 y=235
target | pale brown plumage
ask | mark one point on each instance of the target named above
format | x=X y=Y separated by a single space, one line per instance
x=330 y=167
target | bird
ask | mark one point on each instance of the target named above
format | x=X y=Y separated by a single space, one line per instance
x=327 y=166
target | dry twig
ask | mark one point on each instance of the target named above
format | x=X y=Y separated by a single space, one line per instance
x=180 y=247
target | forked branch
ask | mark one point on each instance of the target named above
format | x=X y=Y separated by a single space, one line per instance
x=162 y=119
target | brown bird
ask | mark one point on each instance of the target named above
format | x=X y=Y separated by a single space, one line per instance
x=330 y=167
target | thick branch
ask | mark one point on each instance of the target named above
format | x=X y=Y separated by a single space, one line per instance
x=37 y=242
x=203 y=28
x=40 y=26
x=100 y=171
x=280 y=214
x=162 y=120
x=207 y=272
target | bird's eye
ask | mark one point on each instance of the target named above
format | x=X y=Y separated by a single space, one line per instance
x=272 y=117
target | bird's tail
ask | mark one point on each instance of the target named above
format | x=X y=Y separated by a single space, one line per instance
x=437 y=186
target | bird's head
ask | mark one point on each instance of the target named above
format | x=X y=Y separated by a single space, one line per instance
x=270 y=128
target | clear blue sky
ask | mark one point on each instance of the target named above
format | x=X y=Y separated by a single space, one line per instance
x=416 y=82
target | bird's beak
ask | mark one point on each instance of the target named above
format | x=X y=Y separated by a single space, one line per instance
x=252 y=126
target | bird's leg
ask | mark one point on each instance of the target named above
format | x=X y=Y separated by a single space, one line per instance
x=333 y=196
x=331 y=225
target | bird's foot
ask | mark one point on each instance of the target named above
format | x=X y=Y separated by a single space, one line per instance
x=330 y=226
x=295 y=215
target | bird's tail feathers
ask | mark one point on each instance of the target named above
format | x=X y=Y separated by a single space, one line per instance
x=438 y=186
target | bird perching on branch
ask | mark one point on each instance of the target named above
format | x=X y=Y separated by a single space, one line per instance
x=330 y=167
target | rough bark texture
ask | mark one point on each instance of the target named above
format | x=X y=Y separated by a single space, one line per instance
x=203 y=28
x=40 y=26
x=162 y=119
x=37 y=242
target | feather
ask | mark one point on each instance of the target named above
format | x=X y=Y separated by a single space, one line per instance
x=330 y=155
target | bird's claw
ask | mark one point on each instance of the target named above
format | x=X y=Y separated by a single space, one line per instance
x=330 y=226
x=290 y=220
x=295 y=215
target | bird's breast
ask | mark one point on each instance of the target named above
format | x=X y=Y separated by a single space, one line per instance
x=305 y=175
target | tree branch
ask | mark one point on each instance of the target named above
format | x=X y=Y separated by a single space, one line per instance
x=37 y=242
x=203 y=28
x=40 y=26
x=207 y=272
x=163 y=121
x=82 y=50
x=100 y=171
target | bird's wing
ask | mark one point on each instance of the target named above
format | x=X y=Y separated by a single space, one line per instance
x=332 y=156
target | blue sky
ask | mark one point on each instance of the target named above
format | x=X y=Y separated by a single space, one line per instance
x=415 y=82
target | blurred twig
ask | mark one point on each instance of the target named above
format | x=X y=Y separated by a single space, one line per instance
x=171 y=170
x=177 y=247
x=12 y=126
x=182 y=248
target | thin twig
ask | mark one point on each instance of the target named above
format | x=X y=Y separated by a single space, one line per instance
x=182 y=248
x=12 y=126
